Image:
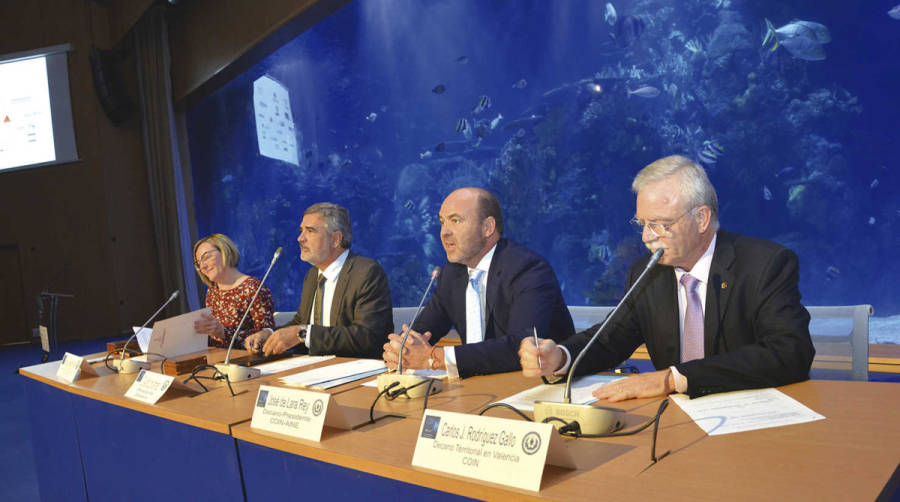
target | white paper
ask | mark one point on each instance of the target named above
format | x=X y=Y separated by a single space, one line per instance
x=290 y=363
x=745 y=410
x=319 y=377
x=582 y=388
x=274 y=120
x=176 y=336
x=439 y=374
x=143 y=337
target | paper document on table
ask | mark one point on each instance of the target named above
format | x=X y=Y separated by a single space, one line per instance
x=343 y=372
x=581 y=392
x=143 y=337
x=438 y=374
x=745 y=410
x=290 y=363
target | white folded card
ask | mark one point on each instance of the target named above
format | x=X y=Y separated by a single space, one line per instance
x=302 y=414
x=72 y=366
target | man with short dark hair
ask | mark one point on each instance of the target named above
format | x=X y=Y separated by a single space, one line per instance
x=345 y=305
x=493 y=291
x=723 y=312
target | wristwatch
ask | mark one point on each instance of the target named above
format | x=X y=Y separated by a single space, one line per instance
x=302 y=335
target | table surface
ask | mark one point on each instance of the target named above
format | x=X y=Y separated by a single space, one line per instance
x=851 y=455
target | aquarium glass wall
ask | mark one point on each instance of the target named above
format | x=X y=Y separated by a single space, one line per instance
x=388 y=105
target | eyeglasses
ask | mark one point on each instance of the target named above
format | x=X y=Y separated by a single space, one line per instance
x=658 y=229
x=205 y=257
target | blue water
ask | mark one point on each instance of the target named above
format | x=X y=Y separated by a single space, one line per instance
x=801 y=143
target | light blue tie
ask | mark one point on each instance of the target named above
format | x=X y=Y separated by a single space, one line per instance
x=474 y=314
x=692 y=332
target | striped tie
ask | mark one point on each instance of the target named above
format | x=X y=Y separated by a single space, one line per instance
x=692 y=334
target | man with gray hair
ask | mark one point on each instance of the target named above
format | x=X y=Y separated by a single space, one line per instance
x=722 y=314
x=345 y=305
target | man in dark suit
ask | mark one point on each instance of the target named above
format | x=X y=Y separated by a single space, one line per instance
x=345 y=305
x=493 y=291
x=750 y=332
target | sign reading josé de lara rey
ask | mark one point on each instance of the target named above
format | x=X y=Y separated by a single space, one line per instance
x=508 y=452
x=292 y=412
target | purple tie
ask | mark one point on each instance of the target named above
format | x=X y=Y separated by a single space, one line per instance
x=692 y=334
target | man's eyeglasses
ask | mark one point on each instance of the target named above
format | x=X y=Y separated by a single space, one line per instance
x=205 y=257
x=657 y=228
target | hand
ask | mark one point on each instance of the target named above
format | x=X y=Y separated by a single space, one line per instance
x=657 y=383
x=281 y=340
x=208 y=325
x=254 y=342
x=552 y=357
x=416 y=351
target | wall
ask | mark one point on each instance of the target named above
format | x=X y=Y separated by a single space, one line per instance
x=82 y=228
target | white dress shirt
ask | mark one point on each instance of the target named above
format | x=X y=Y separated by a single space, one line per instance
x=331 y=273
x=449 y=352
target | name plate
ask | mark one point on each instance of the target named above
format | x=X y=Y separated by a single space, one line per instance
x=72 y=366
x=148 y=387
x=498 y=450
x=292 y=412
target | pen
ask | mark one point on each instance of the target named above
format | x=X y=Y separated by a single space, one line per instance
x=536 y=346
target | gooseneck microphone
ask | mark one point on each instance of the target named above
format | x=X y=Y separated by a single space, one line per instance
x=123 y=365
x=591 y=419
x=233 y=371
x=411 y=383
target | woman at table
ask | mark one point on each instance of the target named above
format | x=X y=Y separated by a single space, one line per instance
x=229 y=293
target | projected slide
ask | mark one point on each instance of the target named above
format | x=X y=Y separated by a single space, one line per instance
x=274 y=122
x=26 y=128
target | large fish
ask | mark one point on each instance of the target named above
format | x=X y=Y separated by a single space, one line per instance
x=895 y=12
x=627 y=30
x=803 y=39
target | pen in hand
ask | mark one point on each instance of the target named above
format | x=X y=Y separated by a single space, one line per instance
x=540 y=365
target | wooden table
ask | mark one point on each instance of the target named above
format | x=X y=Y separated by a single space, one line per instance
x=199 y=447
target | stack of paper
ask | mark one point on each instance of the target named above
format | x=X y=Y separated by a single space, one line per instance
x=581 y=392
x=335 y=374
x=290 y=363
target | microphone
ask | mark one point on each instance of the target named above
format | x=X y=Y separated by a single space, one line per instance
x=591 y=419
x=122 y=365
x=412 y=383
x=237 y=372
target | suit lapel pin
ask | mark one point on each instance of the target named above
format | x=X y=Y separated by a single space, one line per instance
x=724 y=285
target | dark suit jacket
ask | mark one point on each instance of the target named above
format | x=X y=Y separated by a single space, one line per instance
x=756 y=331
x=361 y=315
x=522 y=293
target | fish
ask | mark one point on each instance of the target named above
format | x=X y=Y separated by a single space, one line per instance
x=871 y=220
x=647 y=91
x=714 y=147
x=484 y=103
x=795 y=192
x=706 y=157
x=895 y=12
x=831 y=273
x=803 y=39
x=440 y=147
x=227 y=178
x=694 y=45
x=784 y=171
x=371 y=117
x=520 y=133
x=496 y=121
x=439 y=89
x=627 y=30
x=462 y=125
x=346 y=164
x=462 y=59
x=873 y=184
x=610 y=15
x=520 y=84
x=672 y=90
x=596 y=88
x=425 y=155
x=409 y=204
x=767 y=194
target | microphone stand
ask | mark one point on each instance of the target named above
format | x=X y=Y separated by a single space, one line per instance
x=125 y=366
x=591 y=419
x=236 y=372
x=412 y=384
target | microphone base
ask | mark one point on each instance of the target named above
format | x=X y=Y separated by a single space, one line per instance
x=407 y=381
x=591 y=419
x=126 y=366
x=237 y=373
